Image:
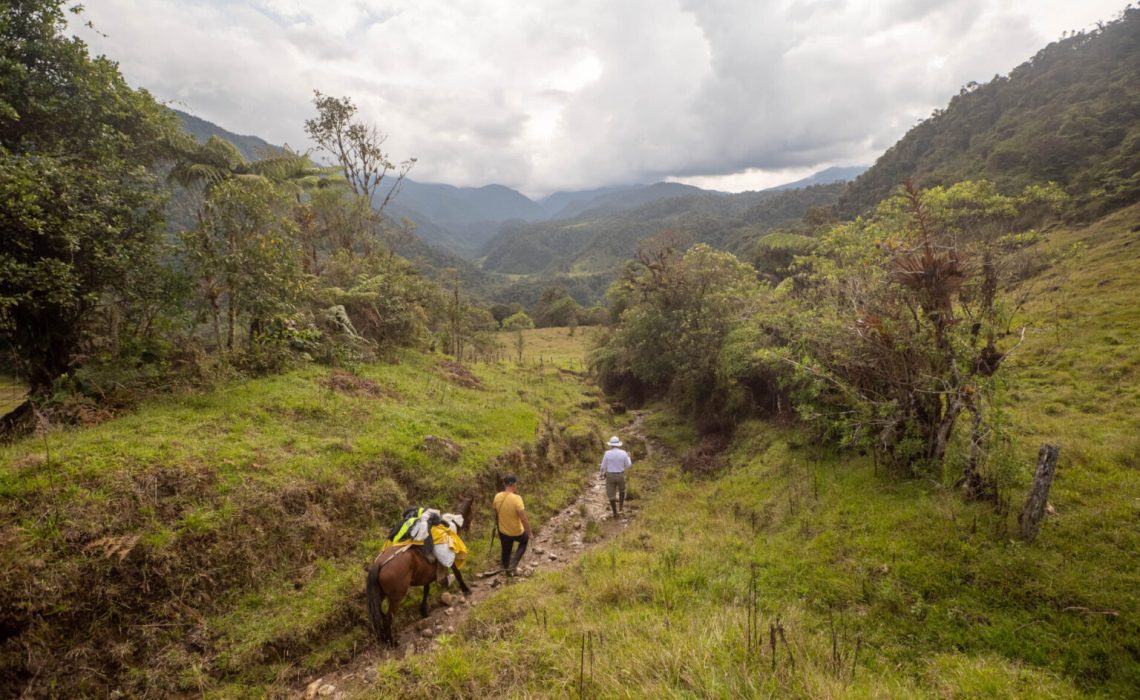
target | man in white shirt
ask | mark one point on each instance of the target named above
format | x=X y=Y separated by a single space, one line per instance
x=614 y=464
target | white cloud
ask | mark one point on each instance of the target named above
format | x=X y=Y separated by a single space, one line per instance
x=549 y=95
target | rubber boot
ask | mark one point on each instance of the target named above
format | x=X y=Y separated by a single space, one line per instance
x=613 y=507
x=621 y=502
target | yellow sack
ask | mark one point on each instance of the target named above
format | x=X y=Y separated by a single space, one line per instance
x=442 y=534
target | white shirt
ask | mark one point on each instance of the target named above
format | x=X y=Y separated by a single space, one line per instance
x=615 y=461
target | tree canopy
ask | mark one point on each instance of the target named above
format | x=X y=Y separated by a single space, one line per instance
x=80 y=207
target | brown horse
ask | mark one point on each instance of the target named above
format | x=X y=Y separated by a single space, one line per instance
x=395 y=570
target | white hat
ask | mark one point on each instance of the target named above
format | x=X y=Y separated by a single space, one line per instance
x=614 y=442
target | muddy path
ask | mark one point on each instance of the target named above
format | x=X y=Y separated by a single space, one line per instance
x=561 y=540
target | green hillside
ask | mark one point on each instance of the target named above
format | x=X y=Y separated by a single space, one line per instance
x=880 y=587
x=214 y=418
x=1070 y=114
x=218 y=537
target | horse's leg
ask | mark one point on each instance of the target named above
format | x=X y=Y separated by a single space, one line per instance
x=381 y=623
x=394 y=600
x=459 y=578
x=423 y=603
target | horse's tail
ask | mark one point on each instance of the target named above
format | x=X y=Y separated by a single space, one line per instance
x=375 y=597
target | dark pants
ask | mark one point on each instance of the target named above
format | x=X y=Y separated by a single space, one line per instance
x=508 y=542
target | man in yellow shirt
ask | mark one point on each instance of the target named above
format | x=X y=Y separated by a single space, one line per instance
x=512 y=523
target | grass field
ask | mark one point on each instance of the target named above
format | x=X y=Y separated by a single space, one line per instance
x=214 y=542
x=556 y=346
x=11 y=393
x=869 y=586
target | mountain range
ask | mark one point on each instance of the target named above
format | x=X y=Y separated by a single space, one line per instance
x=465 y=221
x=1071 y=115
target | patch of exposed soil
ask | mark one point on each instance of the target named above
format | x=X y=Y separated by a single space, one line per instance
x=347 y=383
x=458 y=374
x=704 y=458
x=441 y=448
x=561 y=540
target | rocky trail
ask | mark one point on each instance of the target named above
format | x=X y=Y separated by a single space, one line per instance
x=561 y=540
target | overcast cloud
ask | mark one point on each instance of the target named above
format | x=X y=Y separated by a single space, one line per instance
x=545 y=96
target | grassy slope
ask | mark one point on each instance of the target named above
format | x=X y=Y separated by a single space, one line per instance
x=255 y=506
x=11 y=393
x=947 y=603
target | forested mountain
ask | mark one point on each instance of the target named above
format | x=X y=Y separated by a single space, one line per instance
x=1070 y=114
x=625 y=198
x=602 y=239
x=555 y=205
x=462 y=220
x=251 y=147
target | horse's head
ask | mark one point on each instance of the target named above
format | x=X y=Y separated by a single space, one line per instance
x=464 y=506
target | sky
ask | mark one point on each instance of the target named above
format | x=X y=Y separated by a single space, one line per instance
x=574 y=94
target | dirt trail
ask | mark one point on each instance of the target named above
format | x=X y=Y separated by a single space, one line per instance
x=558 y=542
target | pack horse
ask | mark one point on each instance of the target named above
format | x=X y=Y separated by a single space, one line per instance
x=395 y=570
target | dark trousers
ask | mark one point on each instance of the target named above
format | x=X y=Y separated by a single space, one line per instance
x=508 y=542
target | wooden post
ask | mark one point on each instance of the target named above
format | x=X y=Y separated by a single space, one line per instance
x=1030 y=518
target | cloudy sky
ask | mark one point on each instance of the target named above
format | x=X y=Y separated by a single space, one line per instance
x=572 y=94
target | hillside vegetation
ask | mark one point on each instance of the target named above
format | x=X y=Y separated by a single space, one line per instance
x=1070 y=114
x=218 y=537
x=225 y=412
x=785 y=568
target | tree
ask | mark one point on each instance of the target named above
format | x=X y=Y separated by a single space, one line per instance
x=245 y=254
x=556 y=308
x=518 y=322
x=217 y=160
x=905 y=319
x=679 y=312
x=357 y=147
x=80 y=209
x=501 y=312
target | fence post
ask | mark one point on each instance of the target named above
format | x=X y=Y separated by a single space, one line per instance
x=1035 y=503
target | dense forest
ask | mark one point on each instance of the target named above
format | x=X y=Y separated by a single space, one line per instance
x=234 y=367
x=1069 y=115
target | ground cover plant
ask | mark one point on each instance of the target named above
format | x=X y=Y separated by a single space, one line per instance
x=215 y=540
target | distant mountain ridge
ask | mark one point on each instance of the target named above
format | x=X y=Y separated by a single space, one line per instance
x=251 y=147
x=575 y=239
x=602 y=238
x=465 y=220
x=826 y=177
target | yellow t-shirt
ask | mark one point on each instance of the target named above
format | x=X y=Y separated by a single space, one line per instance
x=508 y=505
